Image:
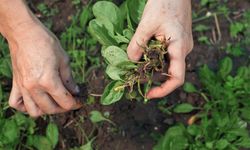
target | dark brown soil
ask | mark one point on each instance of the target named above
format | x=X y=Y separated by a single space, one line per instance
x=136 y=123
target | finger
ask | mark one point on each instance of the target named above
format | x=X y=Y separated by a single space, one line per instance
x=45 y=102
x=176 y=79
x=67 y=78
x=31 y=107
x=15 y=99
x=160 y=38
x=61 y=95
x=139 y=40
x=176 y=71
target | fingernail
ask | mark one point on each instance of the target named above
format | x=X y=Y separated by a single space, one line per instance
x=77 y=89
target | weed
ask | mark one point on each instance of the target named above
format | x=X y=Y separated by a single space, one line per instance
x=222 y=122
x=108 y=28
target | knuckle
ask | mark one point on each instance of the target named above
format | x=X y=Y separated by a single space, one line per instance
x=29 y=85
x=68 y=105
x=47 y=82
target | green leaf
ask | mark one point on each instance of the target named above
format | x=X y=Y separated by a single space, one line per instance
x=245 y=113
x=174 y=139
x=105 y=10
x=96 y=117
x=121 y=39
x=225 y=67
x=115 y=73
x=204 y=2
x=115 y=55
x=52 y=134
x=236 y=28
x=243 y=72
x=128 y=33
x=135 y=9
x=20 y=119
x=183 y=108
x=112 y=93
x=194 y=130
x=85 y=16
x=189 y=87
x=39 y=142
x=201 y=28
x=87 y=146
x=100 y=32
x=221 y=144
x=5 y=67
x=10 y=132
x=127 y=65
x=245 y=142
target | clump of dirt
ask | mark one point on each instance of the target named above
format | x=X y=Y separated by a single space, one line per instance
x=154 y=60
x=151 y=68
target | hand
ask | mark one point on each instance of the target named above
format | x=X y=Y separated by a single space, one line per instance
x=165 y=19
x=42 y=80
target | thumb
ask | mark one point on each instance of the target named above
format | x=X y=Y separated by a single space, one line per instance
x=67 y=78
x=15 y=99
x=138 y=41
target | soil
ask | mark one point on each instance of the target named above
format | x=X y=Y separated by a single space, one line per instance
x=136 y=123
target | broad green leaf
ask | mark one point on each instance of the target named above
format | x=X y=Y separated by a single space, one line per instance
x=39 y=142
x=115 y=73
x=236 y=28
x=114 y=55
x=10 y=132
x=127 y=65
x=174 y=139
x=52 y=134
x=135 y=9
x=207 y=76
x=243 y=72
x=221 y=144
x=183 y=108
x=225 y=67
x=189 y=87
x=20 y=119
x=5 y=67
x=128 y=33
x=105 y=10
x=244 y=142
x=245 y=113
x=96 y=116
x=193 y=130
x=121 y=39
x=99 y=31
x=112 y=93
x=87 y=146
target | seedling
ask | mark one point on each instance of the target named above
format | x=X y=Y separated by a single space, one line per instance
x=134 y=77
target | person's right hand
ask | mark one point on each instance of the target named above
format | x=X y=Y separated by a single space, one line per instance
x=42 y=80
x=164 y=19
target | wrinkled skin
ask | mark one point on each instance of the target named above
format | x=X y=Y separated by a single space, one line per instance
x=42 y=80
x=165 y=19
